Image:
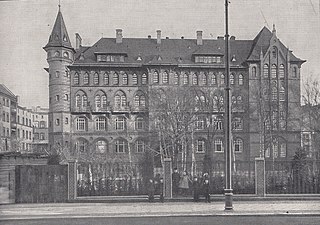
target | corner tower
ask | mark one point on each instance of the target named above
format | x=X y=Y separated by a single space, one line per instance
x=59 y=56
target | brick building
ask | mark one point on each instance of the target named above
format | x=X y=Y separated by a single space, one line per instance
x=100 y=95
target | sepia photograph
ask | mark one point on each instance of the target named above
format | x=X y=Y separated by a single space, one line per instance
x=164 y=112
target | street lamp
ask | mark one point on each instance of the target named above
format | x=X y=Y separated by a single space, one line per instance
x=228 y=177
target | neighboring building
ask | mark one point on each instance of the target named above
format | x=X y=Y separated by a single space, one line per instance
x=99 y=95
x=40 y=130
x=8 y=111
x=24 y=135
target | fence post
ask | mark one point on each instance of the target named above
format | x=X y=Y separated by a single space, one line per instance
x=260 y=179
x=72 y=179
x=167 y=177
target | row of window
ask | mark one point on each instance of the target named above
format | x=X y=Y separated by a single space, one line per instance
x=5 y=132
x=110 y=58
x=100 y=102
x=5 y=102
x=122 y=146
x=196 y=79
x=208 y=59
x=275 y=71
x=203 y=122
x=24 y=121
x=106 y=79
x=24 y=134
x=100 y=123
x=277 y=149
x=39 y=136
x=5 y=117
x=177 y=79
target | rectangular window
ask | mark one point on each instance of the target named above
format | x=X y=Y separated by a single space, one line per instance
x=42 y=124
x=42 y=136
x=201 y=146
x=57 y=122
x=66 y=120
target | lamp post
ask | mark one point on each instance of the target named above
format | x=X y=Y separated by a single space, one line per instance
x=228 y=177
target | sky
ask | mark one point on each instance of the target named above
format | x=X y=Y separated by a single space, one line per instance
x=25 y=26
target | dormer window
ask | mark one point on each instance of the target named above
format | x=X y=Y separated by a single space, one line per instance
x=139 y=58
x=207 y=59
x=104 y=57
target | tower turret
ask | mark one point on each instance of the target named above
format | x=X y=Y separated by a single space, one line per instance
x=59 y=56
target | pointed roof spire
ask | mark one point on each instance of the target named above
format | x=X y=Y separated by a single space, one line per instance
x=274 y=29
x=59 y=36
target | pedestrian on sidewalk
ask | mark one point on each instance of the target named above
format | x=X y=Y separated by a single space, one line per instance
x=196 y=189
x=150 y=189
x=175 y=182
x=161 y=190
x=206 y=187
x=184 y=183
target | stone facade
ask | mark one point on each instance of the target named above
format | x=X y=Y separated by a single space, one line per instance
x=100 y=95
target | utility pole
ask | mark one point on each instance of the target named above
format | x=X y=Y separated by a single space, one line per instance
x=227 y=153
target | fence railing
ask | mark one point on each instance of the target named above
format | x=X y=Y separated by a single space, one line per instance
x=292 y=177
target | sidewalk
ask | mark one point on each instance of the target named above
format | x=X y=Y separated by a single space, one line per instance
x=87 y=210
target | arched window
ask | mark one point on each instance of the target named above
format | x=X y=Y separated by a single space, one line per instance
x=165 y=78
x=101 y=146
x=121 y=146
x=134 y=79
x=106 y=79
x=195 y=80
x=201 y=146
x=81 y=145
x=155 y=77
x=266 y=71
x=66 y=97
x=81 y=124
x=115 y=79
x=238 y=145
x=176 y=78
x=273 y=71
x=283 y=149
x=96 y=79
x=100 y=123
x=222 y=79
x=120 y=123
x=139 y=100
x=239 y=100
x=240 y=79
x=275 y=150
x=125 y=79
x=76 y=79
x=254 y=71
x=217 y=122
x=84 y=100
x=274 y=94
x=98 y=101
x=218 y=145
x=185 y=79
x=231 y=79
x=281 y=71
x=204 y=79
x=78 y=101
x=295 y=72
x=200 y=123
x=104 y=101
x=139 y=123
x=86 y=79
x=214 y=79
x=140 y=146
x=144 y=79
x=282 y=91
x=120 y=99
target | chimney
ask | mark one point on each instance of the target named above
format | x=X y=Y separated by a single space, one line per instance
x=232 y=38
x=149 y=36
x=78 y=41
x=199 y=37
x=182 y=37
x=158 y=37
x=118 y=36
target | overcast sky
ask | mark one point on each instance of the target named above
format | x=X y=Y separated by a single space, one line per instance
x=25 y=27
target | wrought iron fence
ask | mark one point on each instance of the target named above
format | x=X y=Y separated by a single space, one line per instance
x=289 y=177
x=112 y=179
x=243 y=176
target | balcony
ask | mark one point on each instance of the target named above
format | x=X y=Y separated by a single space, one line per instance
x=121 y=109
x=82 y=109
x=104 y=109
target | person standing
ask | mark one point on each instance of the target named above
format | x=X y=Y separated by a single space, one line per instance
x=150 y=189
x=196 y=189
x=184 y=183
x=206 y=187
x=175 y=181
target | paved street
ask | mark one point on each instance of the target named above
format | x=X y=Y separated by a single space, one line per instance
x=249 y=212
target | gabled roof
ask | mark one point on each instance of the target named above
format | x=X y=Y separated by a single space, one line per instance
x=4 y=90
x=177 y=51
x=59 y=36
x=262 y=42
